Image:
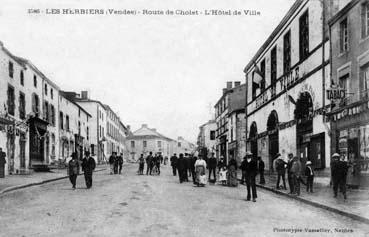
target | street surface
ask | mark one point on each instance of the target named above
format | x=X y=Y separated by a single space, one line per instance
x=132 y=205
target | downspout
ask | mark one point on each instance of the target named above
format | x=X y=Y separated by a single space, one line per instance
x=246 y=115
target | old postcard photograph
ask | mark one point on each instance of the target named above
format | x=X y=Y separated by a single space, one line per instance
x=184 y=118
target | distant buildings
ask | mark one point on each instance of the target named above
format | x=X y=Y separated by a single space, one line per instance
x=146 y=140
x=206 y=140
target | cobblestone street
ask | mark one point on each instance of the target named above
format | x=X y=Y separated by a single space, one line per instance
x=132 y=205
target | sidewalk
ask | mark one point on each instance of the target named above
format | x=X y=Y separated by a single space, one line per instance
x=13 y=182
x=356 y=206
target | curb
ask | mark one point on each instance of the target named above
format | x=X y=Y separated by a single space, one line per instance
x=22 y=186
x=315 y=204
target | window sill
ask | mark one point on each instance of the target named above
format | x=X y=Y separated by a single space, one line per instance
x=364 y=39
x=341 y=54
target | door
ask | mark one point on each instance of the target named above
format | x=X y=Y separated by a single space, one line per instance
x=317 y=152
x=22 y=145
x=273 y=148
x=11 y=149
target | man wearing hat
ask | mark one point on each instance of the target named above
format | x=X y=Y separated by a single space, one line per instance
x=251 y=169
x=88 y=166
x=339 y=173
x=309 y=173
x=280 y=166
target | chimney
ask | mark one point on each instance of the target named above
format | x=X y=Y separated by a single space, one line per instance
x=128 y=127
x=84 y=95
x=229 y=85
x=144 y=125
x=237 y=83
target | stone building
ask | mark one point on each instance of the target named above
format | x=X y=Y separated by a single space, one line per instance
x=286 y=82
x=74 y=129
x=183 y=146
x=146 y=140
x=237 y=123
x=349 y=32
x=206 y=141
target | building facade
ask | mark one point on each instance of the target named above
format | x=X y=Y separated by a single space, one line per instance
x=237 y=123
x=349 y=93
x=74 y=129
x=183 y=146
x=286 y=82
x=206 y=141
x=146 y=140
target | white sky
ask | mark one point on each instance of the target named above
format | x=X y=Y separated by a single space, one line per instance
x=164 y=71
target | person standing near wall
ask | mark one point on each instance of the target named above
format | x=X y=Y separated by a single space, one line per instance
x=73 y=170
x=2 y=163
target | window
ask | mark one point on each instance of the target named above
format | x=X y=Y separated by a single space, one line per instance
x=132 y=144
x=100 y=132
x=273 y=66
x=287 y=52
x=364 y=73
x=22 y=105
x=11 y=100
x=53 y=145
x=61 y=122
x=365 y=20
x=21 y=78
x=45 y=89
x=34 y=81
x=212 y=135
x=343 y=83
x=11 y=69
x=87 y=133
x=35 y=105
x=79 y=112
x=93 y=149
x=144 y=144
x=79 y=128
x=46 y=111
x=179 y=144
x=343 y=36
x=304 y=35
x=52 y=93
x=262 y=70
x=52 y=114
x=67 y=122
x=159 y=144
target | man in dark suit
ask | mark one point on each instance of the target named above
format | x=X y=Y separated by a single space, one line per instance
x=251 y=168
x=339 y=170
x=212 y=165
x=88 y=166
x=173 y=163
x=149 y=160
x=182 y=168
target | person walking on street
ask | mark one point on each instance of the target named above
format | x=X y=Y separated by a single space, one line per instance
x=232 y=173
x=141 y=162
x=261 y=167
x=188 y=166
x=212 y=165
x=149 y=159
x=112 y=163
x=289 y=174
x=251 y=172
x=158 y=162
x=193 y=170
x=181 y=166
x=296 y=175
x=173 y=163
x=280 y=166
x=309 y=173
x=116 y=163
x=73 y=170
x=243 y=170
x=339 y=170
x=120 y=162
x=88 y=166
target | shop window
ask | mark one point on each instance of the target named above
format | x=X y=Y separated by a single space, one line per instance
x=287 y=52
x=304 y=36
x=11 y=100
x=22 y=105
x=11 y=69
x=343 y=36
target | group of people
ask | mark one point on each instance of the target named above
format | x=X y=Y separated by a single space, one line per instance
x=116 y=163
x=152 y=164
x=88 y=166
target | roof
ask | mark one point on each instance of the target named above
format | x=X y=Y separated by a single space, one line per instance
x=145 y=132
x=223 y=95
x=237 y=99
x=286 y=18
x=62 y=93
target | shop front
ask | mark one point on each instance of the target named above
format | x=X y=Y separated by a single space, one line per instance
x=350 y=138
x=37 y=135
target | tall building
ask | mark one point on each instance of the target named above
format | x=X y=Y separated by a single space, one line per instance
x=286 y=81
x=349 y=92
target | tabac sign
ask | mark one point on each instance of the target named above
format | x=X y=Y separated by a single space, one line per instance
x=336 y=94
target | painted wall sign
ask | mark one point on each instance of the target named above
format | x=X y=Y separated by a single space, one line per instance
x=336 y=94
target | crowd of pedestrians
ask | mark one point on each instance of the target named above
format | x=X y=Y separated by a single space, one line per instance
x=152 y=164
x=116 y=163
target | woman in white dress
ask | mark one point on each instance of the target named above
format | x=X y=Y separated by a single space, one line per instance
x=200 y=167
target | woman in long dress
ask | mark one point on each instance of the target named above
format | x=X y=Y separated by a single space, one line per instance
x=200 y=167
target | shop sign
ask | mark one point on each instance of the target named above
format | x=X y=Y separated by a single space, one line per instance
x=336 y=94
x=262 y=99
x=290 y=78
